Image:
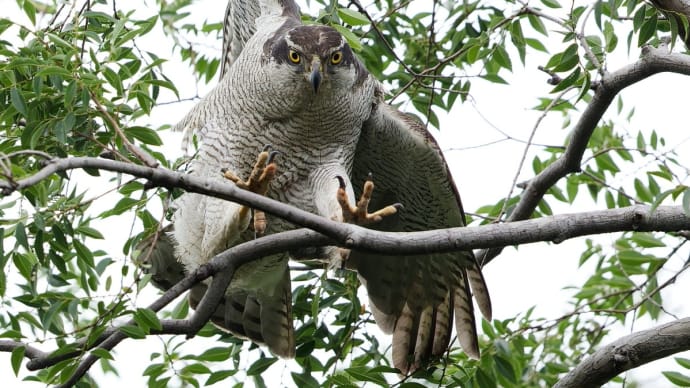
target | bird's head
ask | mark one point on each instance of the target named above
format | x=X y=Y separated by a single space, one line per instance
x=316 y=55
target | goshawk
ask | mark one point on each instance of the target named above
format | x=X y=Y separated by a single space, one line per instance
x=301 y=89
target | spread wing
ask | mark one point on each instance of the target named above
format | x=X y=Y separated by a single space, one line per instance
x=238 y=26
x=415 y=297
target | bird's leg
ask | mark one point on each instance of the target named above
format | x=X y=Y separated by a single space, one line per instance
x=359 y=214
x=258 y=182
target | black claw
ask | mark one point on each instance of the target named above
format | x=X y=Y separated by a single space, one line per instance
x=223 y=170
x=107 y=155
x=266 y=148
x=370 y=177
x=398 y=206
x=272 y=156
x=341 y=181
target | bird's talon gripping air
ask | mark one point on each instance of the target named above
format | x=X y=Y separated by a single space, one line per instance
x=273 y=68
x=359 y=213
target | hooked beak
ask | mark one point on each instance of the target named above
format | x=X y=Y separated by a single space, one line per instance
x=315 y=75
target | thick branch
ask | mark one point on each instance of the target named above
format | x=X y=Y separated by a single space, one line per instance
x=556 y=229
x=629 y=352
x=653 y=61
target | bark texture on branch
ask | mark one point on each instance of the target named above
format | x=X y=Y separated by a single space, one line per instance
x=629 y=352
x=652 y=61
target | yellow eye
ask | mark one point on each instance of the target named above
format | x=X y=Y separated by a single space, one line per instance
x=294 y=56
x=336 y=57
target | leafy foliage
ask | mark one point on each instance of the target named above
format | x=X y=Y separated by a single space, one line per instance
x=76 y=82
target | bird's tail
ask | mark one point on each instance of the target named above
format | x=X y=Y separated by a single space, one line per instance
x=256 y=306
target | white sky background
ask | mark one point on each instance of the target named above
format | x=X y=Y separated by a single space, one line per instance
x=520 y=278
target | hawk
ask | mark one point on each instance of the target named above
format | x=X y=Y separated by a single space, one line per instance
x=301 y=90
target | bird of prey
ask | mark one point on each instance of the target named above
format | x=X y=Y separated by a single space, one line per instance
x=301 y=90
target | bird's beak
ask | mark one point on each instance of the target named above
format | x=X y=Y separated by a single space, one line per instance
x=315 y=75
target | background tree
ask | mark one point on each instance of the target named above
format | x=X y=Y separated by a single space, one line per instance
x=83 y=159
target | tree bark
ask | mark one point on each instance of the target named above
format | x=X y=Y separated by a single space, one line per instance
x=629 y=352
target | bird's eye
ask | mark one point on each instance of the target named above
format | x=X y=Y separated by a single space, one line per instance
x=294 y=56
x=336 y=57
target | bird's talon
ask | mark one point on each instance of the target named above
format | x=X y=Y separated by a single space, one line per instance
x=341 y=181
x=272 y=156
x=262 y=174
x=359 y=214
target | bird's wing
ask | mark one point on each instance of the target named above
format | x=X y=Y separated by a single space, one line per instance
x=238 y=26
x=242 y=19
x=415 y=297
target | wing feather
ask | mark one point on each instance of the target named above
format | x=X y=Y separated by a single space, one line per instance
x=416 y=295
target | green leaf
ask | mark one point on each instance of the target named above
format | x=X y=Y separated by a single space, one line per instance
x=684 y=362
x=351 y=38
x=568 y=81
x=121 y=206
x=215 y=354
x=16 y=358
x=148 y=318
x=568 y=59
x=535 y=44
x=220 y=376
x=502 y=58
x=633 y=260
x=505 y=368
x=145 y=135
x=647 y=240
x=643 y=192
x=83 y=253
x=20 y=235
x=647 y=30
x=606 y=163
x=365 y=374
x=484 y=380
x=154 y=370
x=133 y=331
x=196 y=369
x=260 y=365
x=551 y=3
x=537 y=24
x=305 y=380
x=89 y=232
x=53 y=71
x=18 y=102
x=352 y=18
x=678 y=379
x=102 y=353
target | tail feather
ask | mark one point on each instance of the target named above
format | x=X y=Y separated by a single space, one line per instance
x=464 y=321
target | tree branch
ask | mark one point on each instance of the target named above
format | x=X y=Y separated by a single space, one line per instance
x=629 y=352
x=653 y=61
x=327 y=232
x=556 y=228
